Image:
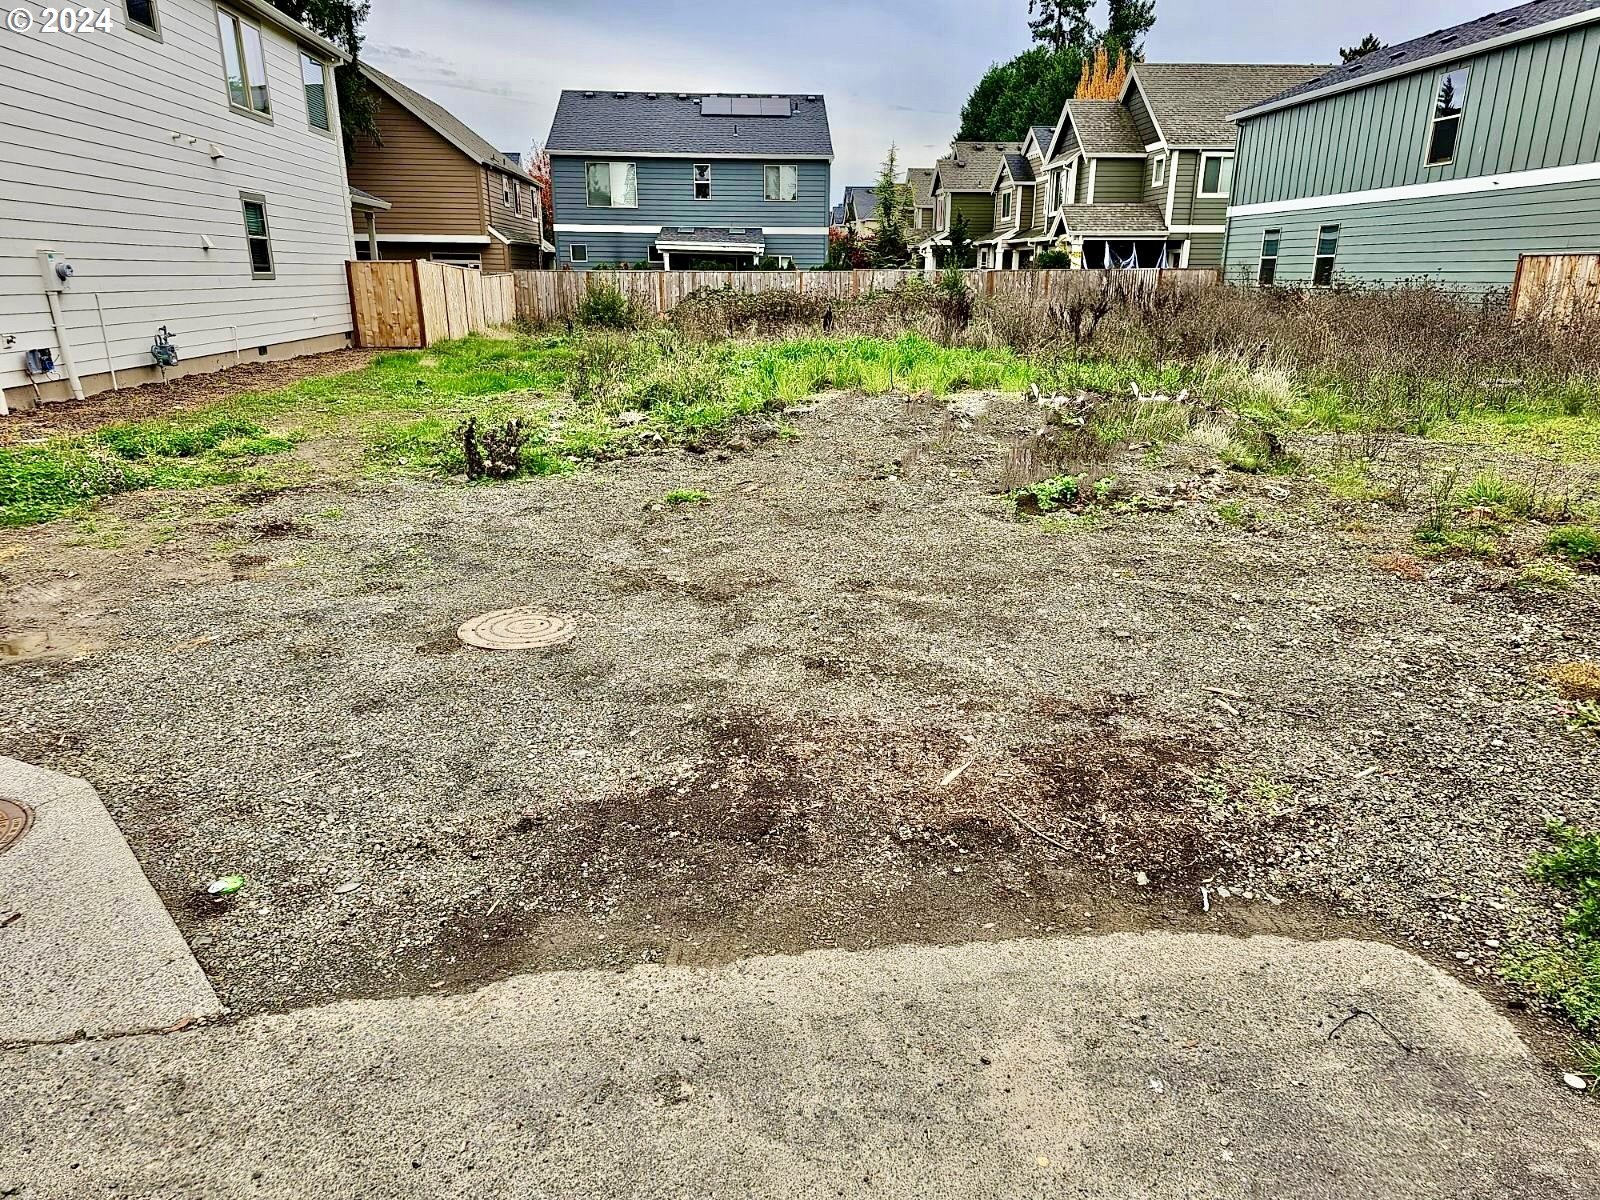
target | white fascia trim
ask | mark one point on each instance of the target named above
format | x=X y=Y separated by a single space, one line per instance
x=1540 y=177
x=443 y=239
x=795 y=230
x=768 y=230
x=718 y=247
x=1154 y=146
x=1088 y=197
x=1172 y=184
x=1197 y=229
x=1119 y=154
x=1454 y=54
x=690 y=156
x=498 y=236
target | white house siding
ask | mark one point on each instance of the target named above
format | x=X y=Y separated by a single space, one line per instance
x=104 y=157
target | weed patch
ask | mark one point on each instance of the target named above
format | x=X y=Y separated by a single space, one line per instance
x=1578 y=544
x=1568 y=975
x=681 y=496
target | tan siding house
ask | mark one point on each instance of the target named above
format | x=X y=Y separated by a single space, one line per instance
x=215 y=208
x=451 y=196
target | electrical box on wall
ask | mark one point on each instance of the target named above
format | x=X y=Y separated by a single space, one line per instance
x=54 y=270
x=38 y=362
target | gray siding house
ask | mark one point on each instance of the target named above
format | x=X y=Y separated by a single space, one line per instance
x=1442 y=158
x=678 y=179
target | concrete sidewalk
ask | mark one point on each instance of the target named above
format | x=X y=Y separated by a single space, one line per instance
x=1128 y=1066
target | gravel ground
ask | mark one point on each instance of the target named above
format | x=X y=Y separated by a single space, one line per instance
x=851 y=701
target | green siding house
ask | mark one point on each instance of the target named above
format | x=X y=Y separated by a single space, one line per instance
x=1441 y=159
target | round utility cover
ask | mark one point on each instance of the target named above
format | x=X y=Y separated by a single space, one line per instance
x=518 y=629
x=15 y=819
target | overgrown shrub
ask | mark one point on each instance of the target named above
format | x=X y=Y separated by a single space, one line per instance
x=495 y=451
x=604 y=307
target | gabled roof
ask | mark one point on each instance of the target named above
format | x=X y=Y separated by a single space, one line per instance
x=971 y=166
x=1191 y=102
x=860 y=203
x=1041 y=135
x=674 y=123
x=444 y=123
x=1017 y=166
x=1442 y=45
x=920 y=180
x=836 y=215
x=1104 y=127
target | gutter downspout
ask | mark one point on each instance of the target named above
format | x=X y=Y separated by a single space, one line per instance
x=53 y=299
x=105 y=342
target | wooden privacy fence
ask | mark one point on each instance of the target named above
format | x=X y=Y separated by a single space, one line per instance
x=1556 y=287
x=543 y=296
x=411 y=303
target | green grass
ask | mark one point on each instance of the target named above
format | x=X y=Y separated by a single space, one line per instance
x=1567 y=975
x=680 y=496
x=1578 y=544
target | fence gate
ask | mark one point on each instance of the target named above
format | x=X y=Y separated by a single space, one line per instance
x=1556 y=286
x=407 y=304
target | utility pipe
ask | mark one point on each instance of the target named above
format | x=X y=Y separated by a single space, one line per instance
x=53 y=299
x=105 y=342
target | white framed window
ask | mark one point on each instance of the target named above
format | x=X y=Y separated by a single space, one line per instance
x=1445 y=130
x=1071 y=194
x=1327 y=251
x=257 y=235
x=1005 y=205
x=1267 y=270
x=654 y=254
x=1216 y=174
x=244 y=64
x=781 y=182
x=314 y=74
x=516 y=197
x=578 y=252
x=143 y=17
x=458 y=258
x=941 y=211
x=505 y=190
x=785 y=263
x=1158 y=171
x=702 y=181
x=613 y=184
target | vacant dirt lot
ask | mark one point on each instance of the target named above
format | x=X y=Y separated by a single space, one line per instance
x=850 y=700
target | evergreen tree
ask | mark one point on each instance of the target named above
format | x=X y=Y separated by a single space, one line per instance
x=1028 y=90
x=1127 y=23
x=889 y=243
x=1058 y=24
x=340 y=22
x=1361 y=49
x=959 y=252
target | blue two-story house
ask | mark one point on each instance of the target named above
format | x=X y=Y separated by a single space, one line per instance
x=678 y=180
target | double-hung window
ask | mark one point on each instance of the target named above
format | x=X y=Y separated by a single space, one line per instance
x=781 y=181
x=1267 y=273
x=243 y=63
x=1445 y=131
x=613 y=185
x=258 y=238
x=314 y=74
x=702 y=181
x=1005 y=204
x=1216 y=174
x=1327 y=251
x=1158 y=170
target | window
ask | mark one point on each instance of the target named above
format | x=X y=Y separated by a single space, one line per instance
x=258 y=239
x=1216 y=174
x=613 y=185
x=1327 y=249
x=143 y=18
x=702 y=181
x=1158 y=170
x=1267 y=272
x=941 y=212
x=654 y=254
x=516 y=197
x=782 y=182
x=785 y=263
x=1005 y=204
x=458 y=258
x=1446 y=128
x=578 y=252
x=314 y=73
x=505 y=190
x=243 y=64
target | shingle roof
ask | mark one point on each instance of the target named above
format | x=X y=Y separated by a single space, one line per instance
x=672 y=123
x=1019 y=166
x=836 y=215
x=1114 y=218
x=921 y=181
x=1441 y=41
x=753 y=238
x=863 y=201
x=360 y=199
x=1042 y=134
x=442 y=122
x=1104 y=127
x=972 y=166
x=1191 y=101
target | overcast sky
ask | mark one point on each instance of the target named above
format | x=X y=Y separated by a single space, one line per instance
x=897 y=70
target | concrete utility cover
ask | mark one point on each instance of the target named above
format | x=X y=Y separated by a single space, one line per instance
x=1128 y=1067
x=518 y=629
x=92 y=950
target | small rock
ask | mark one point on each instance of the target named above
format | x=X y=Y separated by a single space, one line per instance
x=349 y=885
x=1576 y=1082
x=1142 y=879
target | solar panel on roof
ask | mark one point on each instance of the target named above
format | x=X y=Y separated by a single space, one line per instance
x=778 y=106
x=716 y=106
x=746 y=106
